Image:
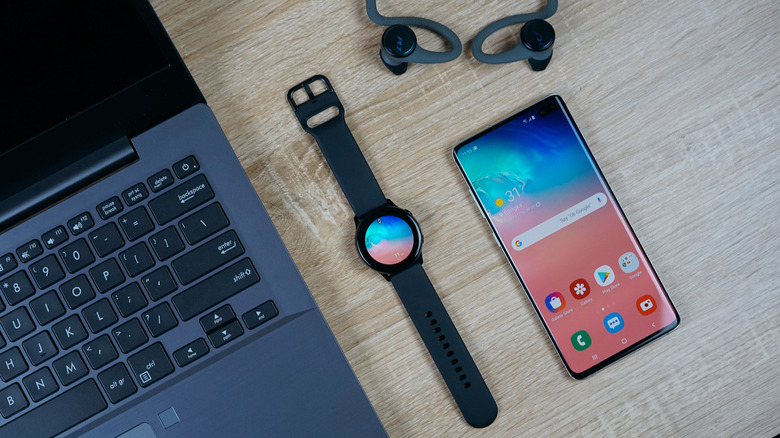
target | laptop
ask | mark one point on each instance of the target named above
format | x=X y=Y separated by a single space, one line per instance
x=144 y=291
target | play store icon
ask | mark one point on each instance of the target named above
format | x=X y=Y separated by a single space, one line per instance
x=604 y=275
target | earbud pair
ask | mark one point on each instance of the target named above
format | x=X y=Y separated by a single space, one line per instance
x=399 y=44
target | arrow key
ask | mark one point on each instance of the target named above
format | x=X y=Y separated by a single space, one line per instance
x=260 y=314
x=225 y=334
x=191 y=352
x=217 y=318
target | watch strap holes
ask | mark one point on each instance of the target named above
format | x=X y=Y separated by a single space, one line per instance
x=432 y=322
x=445 y=346
x=448 y=351
x=428 y=314
x=442 y=337
x=321 y=117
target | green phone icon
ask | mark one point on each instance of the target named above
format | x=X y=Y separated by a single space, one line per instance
x=580 y=340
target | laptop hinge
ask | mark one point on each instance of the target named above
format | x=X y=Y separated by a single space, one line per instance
x=65 y=182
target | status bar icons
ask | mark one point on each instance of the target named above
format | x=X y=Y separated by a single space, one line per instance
x=579 y=288
x=604 y=275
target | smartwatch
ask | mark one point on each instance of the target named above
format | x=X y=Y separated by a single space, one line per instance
x=389 y=240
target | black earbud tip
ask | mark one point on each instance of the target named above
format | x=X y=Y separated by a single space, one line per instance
x=396 y=68
x=540 y=64
x=399 y=41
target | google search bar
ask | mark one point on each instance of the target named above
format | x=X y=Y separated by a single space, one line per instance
x=559 y=221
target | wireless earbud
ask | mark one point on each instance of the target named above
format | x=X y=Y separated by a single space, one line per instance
x=399 y=43
x=535 y=43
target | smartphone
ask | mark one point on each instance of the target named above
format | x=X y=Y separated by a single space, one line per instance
x=562 y=230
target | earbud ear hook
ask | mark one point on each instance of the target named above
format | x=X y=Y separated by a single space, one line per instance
x=399 y=43
x=535 y=43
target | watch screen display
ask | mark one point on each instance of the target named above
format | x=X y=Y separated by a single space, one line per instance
x=568 y=240
x=389 y=240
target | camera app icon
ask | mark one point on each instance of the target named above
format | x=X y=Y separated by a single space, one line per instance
x=646 y=305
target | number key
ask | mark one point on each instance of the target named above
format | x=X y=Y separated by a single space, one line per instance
x=17 y=288
x=76 y=255
x=46 y=271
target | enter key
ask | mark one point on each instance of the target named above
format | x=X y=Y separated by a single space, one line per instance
x=207 y=257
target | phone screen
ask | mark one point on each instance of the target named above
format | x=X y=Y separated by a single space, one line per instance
x=566 y=237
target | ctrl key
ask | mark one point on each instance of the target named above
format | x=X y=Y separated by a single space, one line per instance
x=117 y=383
x=150 y=364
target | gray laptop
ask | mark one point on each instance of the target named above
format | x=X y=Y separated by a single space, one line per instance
x=144 y=291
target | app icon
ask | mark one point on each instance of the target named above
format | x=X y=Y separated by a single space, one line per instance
x=628 y=262
x=604 y=275
x=580 y=340
x=646 y=305
x=613 y=322
x=579 y=288
x=555 y=302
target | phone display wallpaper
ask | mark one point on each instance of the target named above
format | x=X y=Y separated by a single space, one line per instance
x=570 y=244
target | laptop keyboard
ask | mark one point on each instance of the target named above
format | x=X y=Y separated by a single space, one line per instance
x=84 y=305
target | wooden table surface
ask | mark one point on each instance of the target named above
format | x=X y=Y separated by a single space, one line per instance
x=679 y=103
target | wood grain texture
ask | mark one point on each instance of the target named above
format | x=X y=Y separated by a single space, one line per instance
x=679 y=103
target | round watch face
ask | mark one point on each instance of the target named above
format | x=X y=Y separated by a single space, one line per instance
x=388 y=239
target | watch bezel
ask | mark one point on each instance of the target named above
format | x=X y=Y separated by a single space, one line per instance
x=360 y=239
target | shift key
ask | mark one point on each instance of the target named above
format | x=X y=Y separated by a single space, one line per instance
x=215 y=289
x=181 y=199
x=208 y=257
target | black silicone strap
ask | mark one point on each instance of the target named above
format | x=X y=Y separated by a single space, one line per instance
x=338 y=146
x=447 y=349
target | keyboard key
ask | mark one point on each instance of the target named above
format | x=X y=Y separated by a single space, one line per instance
x=40 y=384
x=47 y=308
x=190 y=352
x=39 y=348
x=150 y=364
x=80 y=223
x=107 y=275
x=117 y=383
x=12 y=401
x=129 y=336
x=181 y=199
x=136 y=259
x=12 y=364
x=76 y=255
x=99 y=316
x=29 y=251
x=70 y=368
x=109 y=207
x=135 y=194
x=46 y=271
x=215 y=289
x=136 y=223
x=159 y=319
x=166 y=243
x=17 y=288
x=129 y=299
x=58 y=414
x=217 y=318
x=55 y=237
x=99 y=352
x=225 y=334
x=77 y=291
x=17 y=324
x=207 y=257
x=69 y=332
x=7 y=264
x=106 y=239
x=160 y=180
x=159 y=283
x=203 y=223
x=186 y=167
x=260 y=314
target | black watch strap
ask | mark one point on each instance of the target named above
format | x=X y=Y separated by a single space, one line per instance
x=338 y=146
x=445 y=346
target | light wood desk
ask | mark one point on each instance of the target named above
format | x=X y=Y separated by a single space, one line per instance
x=679 y=102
